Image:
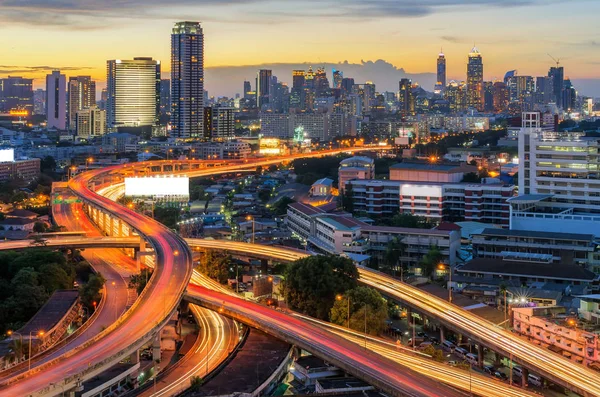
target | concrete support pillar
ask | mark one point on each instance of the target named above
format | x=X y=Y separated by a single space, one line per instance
x=524 y=376
x=480 y=356
x=497 y=358
x=264 y=266
x=134 y=358
x=442 y=334
x=297 y=352
x=156 y=348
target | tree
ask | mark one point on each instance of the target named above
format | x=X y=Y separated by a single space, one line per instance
x=196 y=383
x=430 y=260
x=281 y=205
x=39 y=227
x=348 y=199
x=53 y=277
x=264 y=195
x=411 y=221
x=38 y=241
x=394 y=251
x=168 y=216
x=48 y=164
x=18 y=197
x=361 y=299
x=90 y=291
x=215 y=264
x=312 y=283
x=138 y=281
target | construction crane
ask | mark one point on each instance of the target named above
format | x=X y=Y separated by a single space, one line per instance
x=555 y=60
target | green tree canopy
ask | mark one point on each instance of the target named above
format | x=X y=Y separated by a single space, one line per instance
x=138 y=281
x=215 y=264
x=431 y=260
x=90 y=291
x=312 y=283
x=361 y=298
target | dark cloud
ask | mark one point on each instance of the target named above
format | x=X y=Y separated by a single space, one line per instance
x=452 y=39
x=95 y=14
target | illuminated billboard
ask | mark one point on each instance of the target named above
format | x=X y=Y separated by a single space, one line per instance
x=162 y=186
x=270 y=146
x=7 y=155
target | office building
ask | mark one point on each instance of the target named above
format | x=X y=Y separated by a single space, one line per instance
x=297 y=95
x=187 y=80
x=56 y=100
x=82 y=95
x=90 y=122
x=547 y=247
x=441 y=72
x=500 y=96
x=559 y=180
x=347 y=86
x=475 y=80
x=16 y=93
x=27 y=170
x=263 y=85
x=428 y=172
x=133 y=93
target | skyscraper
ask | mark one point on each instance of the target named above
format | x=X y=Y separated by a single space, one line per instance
x=165 y=97
x=56 y=100
x=82 y=95
x=247 y=89
x=475 y=80
x=297 y=98
x=187 y=80
x=133 y=93
x=406 y=99
x=441 y=72
x=347 y=84
x=557 y=77
x=338 y=76
x=16 y=93
x=263 y=85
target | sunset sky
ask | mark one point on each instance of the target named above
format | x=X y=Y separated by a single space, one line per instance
x=78 y=36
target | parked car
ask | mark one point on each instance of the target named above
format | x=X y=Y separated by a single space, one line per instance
x=500 y=375
x=489 y=369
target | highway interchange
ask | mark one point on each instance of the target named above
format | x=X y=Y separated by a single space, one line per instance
x=174 y=271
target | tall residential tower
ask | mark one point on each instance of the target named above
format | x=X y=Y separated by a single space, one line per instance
x=82 y=95
x=187 y=80
x=475 y=80
x=441 y=72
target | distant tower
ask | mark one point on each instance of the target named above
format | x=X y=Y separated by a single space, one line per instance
x=475 y=80
x=338 y=76
x=56 y=100
x=263 y=85
x=81 y=95
x=406 y=100
x=187 y=80
x=441 y=72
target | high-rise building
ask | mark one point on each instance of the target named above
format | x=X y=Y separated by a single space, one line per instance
x=441 y=72
x=82 y=95
x=456 y=95
x=16 y=93
x=488 y=96
x=297 y=97
x=347 y=85
x=187 y=80
x=475 y=80
x=263 y=84
x=56 y=100
x=321 y=83
x=500 y=94
x=90 y=122
x=223 y=124
x=569 y=96
x=165 y=97
x=133 y=93
x=406 y=99
x=39 y=101
x=557 y=76
x=247 y=89
x=338 y=76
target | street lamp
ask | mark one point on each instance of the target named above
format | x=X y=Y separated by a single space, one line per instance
x=442 y=267
x=87 y=161
x=251 y=218
x=11 y=333
x=340 y=297
x=61 y=386
x=40 y=333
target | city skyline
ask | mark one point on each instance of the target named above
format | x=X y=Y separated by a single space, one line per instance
x=237 y=36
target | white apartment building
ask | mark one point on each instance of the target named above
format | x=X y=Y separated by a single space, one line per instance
x=228 y=150
x=559 y=179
